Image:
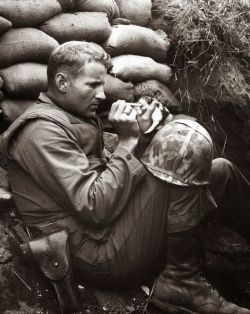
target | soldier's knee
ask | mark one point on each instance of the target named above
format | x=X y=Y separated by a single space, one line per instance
x=221 y=166
x=221 y=169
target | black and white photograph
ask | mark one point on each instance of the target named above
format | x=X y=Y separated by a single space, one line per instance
x=124 y=156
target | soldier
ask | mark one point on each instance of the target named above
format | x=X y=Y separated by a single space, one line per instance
x=121 y=212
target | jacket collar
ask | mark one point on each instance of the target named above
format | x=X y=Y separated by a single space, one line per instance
x=44 y=98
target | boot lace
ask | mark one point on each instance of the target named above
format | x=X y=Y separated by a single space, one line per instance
x=208 y=284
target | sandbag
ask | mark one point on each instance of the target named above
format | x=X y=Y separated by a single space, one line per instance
x=89 y=26
x=1 y=86
x=137 y=69
x=137 y=40
x=108 y=6
x=137 y=11
x=29 y=12
x=24 y=79
x=13 y=108
x=67 y=5
x=25 y=44
x=120 y=20
x=4 y=183
x=5 y=25
x=115 y=89
x=155 y=89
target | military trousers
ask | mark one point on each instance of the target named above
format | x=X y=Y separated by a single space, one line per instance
x=137 y=243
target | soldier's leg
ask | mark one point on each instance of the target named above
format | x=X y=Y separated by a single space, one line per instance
x=135 y=241
x=139 y=236
x=231 y=191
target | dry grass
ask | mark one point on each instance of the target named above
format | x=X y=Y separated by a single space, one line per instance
x=204 y=30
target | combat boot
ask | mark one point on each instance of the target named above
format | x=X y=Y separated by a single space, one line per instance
x=181 y=288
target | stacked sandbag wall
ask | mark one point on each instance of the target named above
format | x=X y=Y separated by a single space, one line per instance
x=31 y=29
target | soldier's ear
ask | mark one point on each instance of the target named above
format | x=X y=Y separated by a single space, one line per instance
x=61 y=81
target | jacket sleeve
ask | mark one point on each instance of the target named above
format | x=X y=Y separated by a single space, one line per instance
x=61 y=168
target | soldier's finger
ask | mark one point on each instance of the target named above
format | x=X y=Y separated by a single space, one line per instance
x=116 y=108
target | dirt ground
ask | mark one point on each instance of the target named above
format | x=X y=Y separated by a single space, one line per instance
x=24 y=290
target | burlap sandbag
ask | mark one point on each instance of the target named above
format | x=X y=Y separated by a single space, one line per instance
x=24 y=79
x=120 y=21
x=67 y=5
x=137 y=40
x=4 y=182
x=156 y=90
x=89 y=26
x=115 y=89
x=137 y=11
x=137 y=69
x=1 y=83
x=108 y=6
x=12 y=108
x=5 y=25
x=29 y=12
x=25 y=44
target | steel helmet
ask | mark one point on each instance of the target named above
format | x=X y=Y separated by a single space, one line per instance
x=181 y=153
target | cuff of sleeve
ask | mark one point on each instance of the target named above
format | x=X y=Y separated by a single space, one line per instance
x=131 y=160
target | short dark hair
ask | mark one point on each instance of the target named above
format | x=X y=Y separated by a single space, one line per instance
x=73 y=56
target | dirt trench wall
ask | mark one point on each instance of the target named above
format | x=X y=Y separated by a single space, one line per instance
x=214 y=88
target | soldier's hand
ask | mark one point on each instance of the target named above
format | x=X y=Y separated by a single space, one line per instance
x=123 y=118
x=144 y=115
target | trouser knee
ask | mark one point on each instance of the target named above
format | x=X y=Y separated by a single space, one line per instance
x=221 y=169
x=222 y=177
x=231 y=191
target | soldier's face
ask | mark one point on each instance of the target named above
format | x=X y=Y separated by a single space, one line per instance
x=85 y=91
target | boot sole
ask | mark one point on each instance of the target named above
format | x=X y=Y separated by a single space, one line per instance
x=171 y=308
